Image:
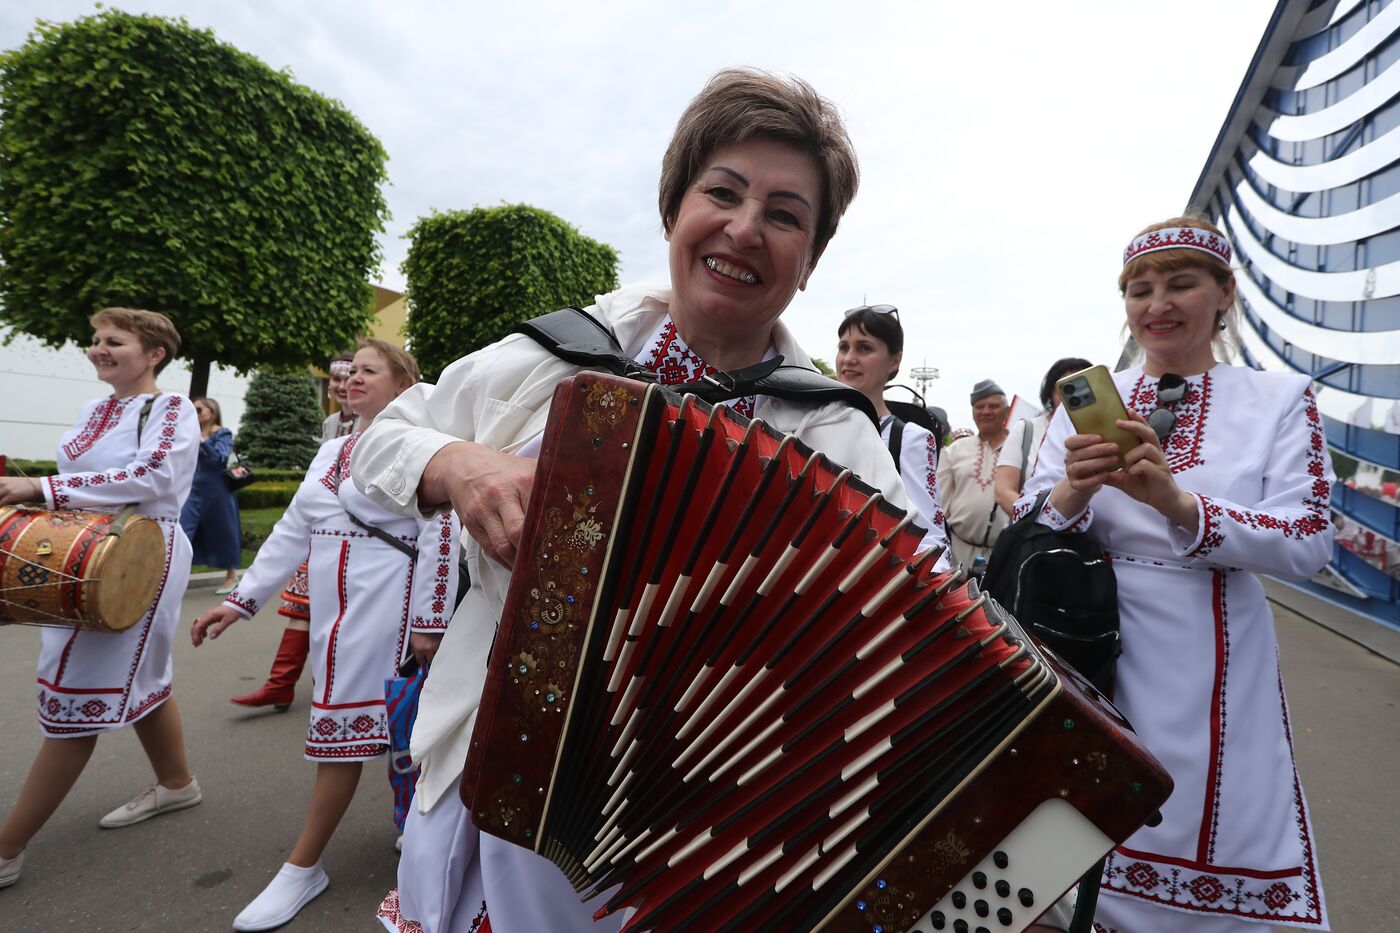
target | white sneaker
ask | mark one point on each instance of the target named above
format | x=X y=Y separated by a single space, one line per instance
x=153 y=801
x=9 y=870
x=292 y=889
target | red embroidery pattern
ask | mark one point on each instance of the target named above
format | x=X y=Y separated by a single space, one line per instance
x=361 y=731
x=1183 y=447
x=1317 y=502
x=931 y=483
x=62 y=500
x=1054 y=518
x=1265 y=895
x=438 y=608
x=249 y=606
x=335 y=626
x=389 y=910
x=676 y=364
x=103 y=418
x=340 y=469
x=160 y=696
x=982 y=448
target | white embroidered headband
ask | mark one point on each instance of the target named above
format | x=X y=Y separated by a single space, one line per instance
x=1179 y=238
x=340 y=368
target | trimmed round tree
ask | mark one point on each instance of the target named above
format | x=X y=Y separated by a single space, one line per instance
x=473 y=275
x=145 y=163
x=281 y=424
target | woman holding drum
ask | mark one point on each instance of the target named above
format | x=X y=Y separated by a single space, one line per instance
x=755 y=179
x=137 y=448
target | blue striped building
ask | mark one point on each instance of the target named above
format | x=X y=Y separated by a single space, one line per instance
x=1305 y=178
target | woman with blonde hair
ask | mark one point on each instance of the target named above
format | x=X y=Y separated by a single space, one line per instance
x=136 y=447
x=1230 y=478
x=372 y=602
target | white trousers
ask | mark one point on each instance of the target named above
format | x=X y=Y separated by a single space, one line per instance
x=1119 y=914
x=449 y=871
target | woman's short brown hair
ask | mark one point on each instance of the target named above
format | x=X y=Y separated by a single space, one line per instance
x=401 y=363
x=152 y=328
x=739 y=104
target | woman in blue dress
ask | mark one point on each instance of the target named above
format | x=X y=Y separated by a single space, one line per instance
x=210 y=515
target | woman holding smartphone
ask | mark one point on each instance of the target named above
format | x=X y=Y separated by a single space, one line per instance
x=1229 y=478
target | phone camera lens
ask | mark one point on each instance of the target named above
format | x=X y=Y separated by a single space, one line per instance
x=1069 y=389
x=1072 y=401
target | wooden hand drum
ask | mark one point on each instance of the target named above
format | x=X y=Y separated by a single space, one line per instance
x=90 y=569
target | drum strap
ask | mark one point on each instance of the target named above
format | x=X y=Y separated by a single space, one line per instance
x=574 y=335
x=119 y=522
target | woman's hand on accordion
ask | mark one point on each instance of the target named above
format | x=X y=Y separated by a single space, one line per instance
x=489 y=491
x=212 y=623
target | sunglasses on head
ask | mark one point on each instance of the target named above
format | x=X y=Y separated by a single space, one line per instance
x=1171 y=389
x=875 y=309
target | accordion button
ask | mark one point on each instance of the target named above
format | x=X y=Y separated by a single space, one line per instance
x=1004 y=916
x=983 y=908
x=999 y=859
x=1026 y=896
x=959 y=900
x=979 y=880
x=960 y=926
x=1003 y=888
x=938 y=920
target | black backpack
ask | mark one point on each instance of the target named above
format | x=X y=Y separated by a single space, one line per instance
x=1060 y=586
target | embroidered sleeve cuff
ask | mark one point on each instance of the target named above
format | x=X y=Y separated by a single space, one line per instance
x=1055 y=519
x=431 y=626
x=1207 y=537
x=46 y=488
x=247 y=608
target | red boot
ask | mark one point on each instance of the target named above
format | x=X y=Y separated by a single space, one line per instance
x=286 y=670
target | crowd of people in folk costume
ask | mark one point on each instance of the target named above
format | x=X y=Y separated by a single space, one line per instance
x=753 y=184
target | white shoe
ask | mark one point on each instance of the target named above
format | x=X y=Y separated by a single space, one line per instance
x=153 y=801
x=9 y=870
x=292 y=889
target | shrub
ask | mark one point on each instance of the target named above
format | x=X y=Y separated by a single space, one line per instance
x=281 y=424
x=145 y=163
x=473 y=275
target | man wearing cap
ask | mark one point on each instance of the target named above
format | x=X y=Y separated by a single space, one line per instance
x=965 y=478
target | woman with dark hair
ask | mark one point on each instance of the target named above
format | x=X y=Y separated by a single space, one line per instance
x=753 y=184
x=869 y=350
x=1230 y=478
x=135 y=447
x=1018 y=455
x=210 y=515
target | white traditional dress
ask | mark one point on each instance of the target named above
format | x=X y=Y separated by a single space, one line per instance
x=366 y=596
x=965 y=473
x=918 y=468
x=449 y=874
x=89 y=681
x=1199 y=676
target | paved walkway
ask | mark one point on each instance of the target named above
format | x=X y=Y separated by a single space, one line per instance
x=193 y=871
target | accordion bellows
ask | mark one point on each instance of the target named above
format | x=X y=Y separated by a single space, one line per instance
x=726 y=693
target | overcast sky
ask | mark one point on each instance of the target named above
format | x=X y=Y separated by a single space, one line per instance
x=1008 y=150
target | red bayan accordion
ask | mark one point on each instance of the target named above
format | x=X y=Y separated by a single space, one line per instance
x=727 y=691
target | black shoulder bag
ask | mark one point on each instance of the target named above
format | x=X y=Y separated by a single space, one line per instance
x=1061 y=587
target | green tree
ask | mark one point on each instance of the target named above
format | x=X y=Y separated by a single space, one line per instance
x=823 y=367
x=281 y=425
x=145 y=163
x=473 y=275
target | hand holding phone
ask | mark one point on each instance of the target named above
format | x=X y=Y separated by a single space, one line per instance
x=1094 y=407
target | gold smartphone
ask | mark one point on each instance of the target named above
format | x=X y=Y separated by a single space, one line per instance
x=1093 y=404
